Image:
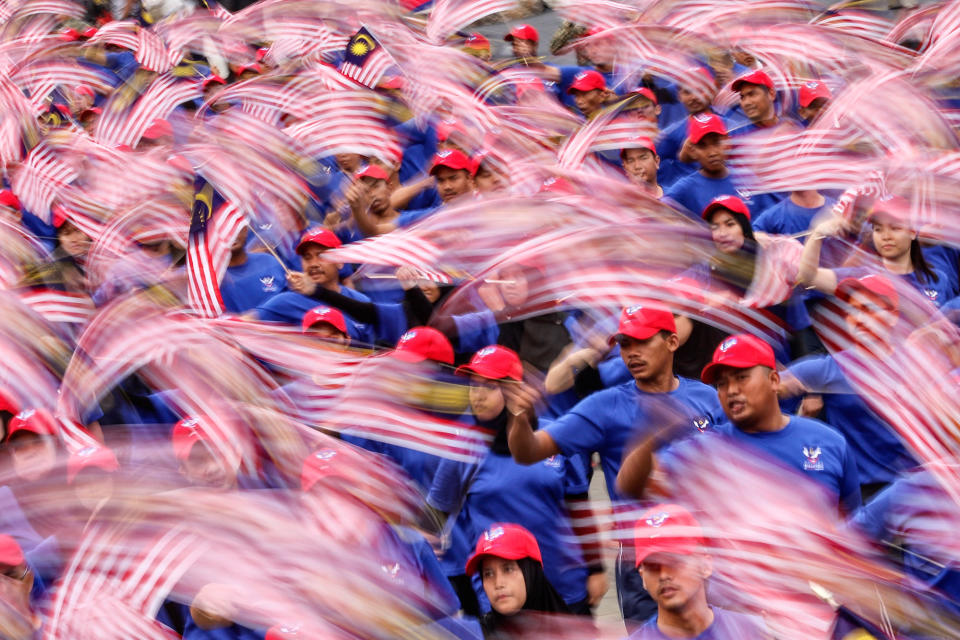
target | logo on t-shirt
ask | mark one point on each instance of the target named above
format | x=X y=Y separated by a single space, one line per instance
x=391 y=570
x=268 y=283
x=813 y=461
x=553 y=461
x=702 y=423
x=933 y=294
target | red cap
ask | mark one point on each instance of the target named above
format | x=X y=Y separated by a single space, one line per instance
x=158 y=129
x=477 y=41
x=9 y=199
x=11 y=555
x=84 y=90
x=253 y=66
x=740 y=352
x=640 y=142
x=321 y=236
x=60 y=215
x=667 y=528
x=372 y=171
x=69 y=34
x=446 y=127
x=89 y=32
x=522 y=32
x=894 y=208
x=557 y=184
x=594 y=30
x=331 y=316
x=38 y=421
x=8 y=402
x=810 y=91
x=424 y=343
x=587 y=81
x=212 y=79
x=701 y=124
x=643 y=321
x=731 y=203
x=646 y=93
x=452 y=159
x=95 y=456
x=525 y=84
x=507 y=541
x=186 y=433
x=261 y=53
x=757 y=77
x=494 y=362
x=321 y=464
x=877 y=285
x=284 y=632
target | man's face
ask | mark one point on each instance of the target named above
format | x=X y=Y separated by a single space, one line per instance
x=711 y=152
x=641 y=166
x=645 y=111
x=675 y=581
x=33 y=455
x=523 y=48
x=812 y=110
x=588 y=102
x=452 y=183
x=202 y=468
x=240 y=243
x=515 y=286
x=650 y=358
x=745 y=394
x=379 y=193
x=348 y=162
x=329 y=333
x=871 y=318
x=694 y=103
x=321 y=271
x=756 y=102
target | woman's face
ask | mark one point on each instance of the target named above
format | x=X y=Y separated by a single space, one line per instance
x=504 y=585
x=75 y=242
x=726 y=231
x=430 y=290
x=486 y=398
x=515 y=288
x=33 y=456
x=891 y=240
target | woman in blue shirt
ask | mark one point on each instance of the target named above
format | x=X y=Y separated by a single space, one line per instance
x=497 y=489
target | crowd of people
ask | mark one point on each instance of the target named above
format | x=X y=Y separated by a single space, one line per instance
x=321 y=318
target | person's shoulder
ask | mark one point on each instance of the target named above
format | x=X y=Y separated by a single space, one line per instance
x=691 y=386
x=733 y=622
x=648 y=631
x=353 y=293
x=814 y=427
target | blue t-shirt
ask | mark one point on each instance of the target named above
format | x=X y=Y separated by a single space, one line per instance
x=607 y=420
x=946 y=260
x=937 y=292
x=248 y=285
x=412 y=216
x=695 y=191
x=290 y=307
x=668 y=148
x=788 y=218
x=879 y=453
x=533 y=496
x=726 y=625
x=810 y=447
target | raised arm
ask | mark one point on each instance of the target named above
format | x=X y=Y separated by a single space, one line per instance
x=526 y=445
x=359 y=200
x=811 y=274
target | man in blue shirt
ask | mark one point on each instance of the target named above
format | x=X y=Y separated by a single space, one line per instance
x=675 y=569
x=605 y=421
x=251 y=278
x=708 y=140
x=744 y=371
x=758 y=99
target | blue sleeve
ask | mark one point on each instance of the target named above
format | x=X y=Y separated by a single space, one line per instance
x=819 y=374
x=567 y=74
x=391 y=322
x=575 y=432
x=850 y=496
x=871 y=518
x=446 y=492
x=613 y=371
x=433 y=575
x=476 y=330
x=768 y=221
x=575 y=479
x=411 y=216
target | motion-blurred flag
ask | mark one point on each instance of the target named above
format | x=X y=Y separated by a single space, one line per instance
x=365 y=60
x=207 y=247
x=850 y=626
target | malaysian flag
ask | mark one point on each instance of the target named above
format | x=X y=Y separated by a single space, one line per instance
x=365 y=60
x=204 y=246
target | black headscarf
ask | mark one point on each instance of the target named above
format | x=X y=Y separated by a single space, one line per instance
x=541 y=597
x=499 y=427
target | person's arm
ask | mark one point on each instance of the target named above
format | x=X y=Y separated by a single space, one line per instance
x=414 y=299
x=563 y=372
x=637 y=467
x=359 y=201
x=811 y=274
x=365 y=312
x=526 y=445
x=402 y=196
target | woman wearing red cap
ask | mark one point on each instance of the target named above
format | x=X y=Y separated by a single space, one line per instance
x=498 y=489
x=508 y=559
x=891 y=240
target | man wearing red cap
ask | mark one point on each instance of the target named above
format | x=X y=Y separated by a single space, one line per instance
x=671 y=557
x=873 y=312
x=523 y=40
x=607 y=420
x=318 y=272
x=641 y=163
x=757 y=101
x=477 y=44
x=744 y=370
x=707 y=136
x=589 y=91
x=811 y=99
x=369 y=199
x=328 y=324
x=251 y=278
